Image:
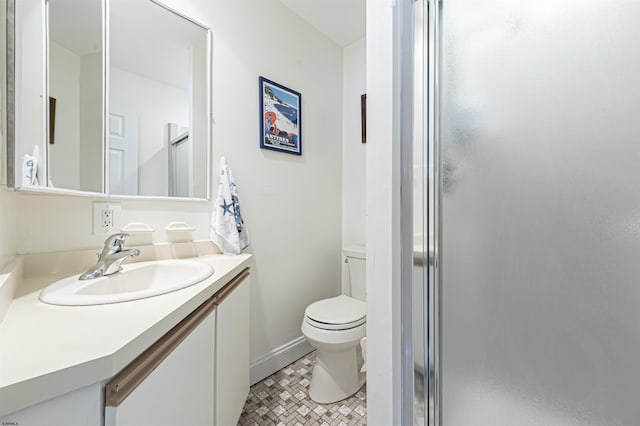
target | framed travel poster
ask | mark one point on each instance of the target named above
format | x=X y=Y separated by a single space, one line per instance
x=280 y=118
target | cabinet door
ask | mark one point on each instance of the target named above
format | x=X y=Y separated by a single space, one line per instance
x=232 y=355
x=180 y=391
x=82 y=407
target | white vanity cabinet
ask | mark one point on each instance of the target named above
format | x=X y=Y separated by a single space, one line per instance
x=82 y=407
x=179 y=389
x=232 y=355
x=199 y=370
x=196 y=374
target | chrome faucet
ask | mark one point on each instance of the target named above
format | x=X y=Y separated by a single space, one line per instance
x=111 y=258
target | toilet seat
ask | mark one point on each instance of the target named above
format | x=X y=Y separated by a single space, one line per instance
x=336 y=313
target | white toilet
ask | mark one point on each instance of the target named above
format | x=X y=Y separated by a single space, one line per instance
x=335 y=327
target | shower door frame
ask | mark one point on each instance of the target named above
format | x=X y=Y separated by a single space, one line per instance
x=417 y=38
x=433 y=209
x=429 y=15
x=417 y=30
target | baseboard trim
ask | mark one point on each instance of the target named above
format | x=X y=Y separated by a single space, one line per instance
x=278 y=358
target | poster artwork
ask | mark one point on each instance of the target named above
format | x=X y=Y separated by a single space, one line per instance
x=280 y=118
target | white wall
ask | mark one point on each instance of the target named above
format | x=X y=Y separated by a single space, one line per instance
x=383 y=245
x=64 y=86
x=354 y=153
x=158 y=104
x=55 y=222
x=8 y=233
x=291 y=204
x=8 y=247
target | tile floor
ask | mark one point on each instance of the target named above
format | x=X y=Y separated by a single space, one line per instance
x=282 y=399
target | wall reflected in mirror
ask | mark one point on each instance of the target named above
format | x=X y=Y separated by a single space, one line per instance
x=75 y=81
x=158 y=105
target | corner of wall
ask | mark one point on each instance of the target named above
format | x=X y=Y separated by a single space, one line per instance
x=353 y=150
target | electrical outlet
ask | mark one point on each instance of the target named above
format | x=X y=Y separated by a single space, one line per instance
x=106 y=218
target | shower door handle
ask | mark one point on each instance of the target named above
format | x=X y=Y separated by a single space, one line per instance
x=419 y=258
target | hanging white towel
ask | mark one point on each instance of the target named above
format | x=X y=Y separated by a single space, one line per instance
x=228 y=230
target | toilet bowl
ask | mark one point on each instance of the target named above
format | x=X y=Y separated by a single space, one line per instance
x=335 y=327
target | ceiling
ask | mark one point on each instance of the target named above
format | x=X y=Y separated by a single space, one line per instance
x=343 y=21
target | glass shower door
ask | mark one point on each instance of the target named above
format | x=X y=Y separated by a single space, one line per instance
x=539 y=202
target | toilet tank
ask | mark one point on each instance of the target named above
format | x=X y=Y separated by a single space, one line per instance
x=356 y=264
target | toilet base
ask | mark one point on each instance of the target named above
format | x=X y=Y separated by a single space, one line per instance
x=336 y=375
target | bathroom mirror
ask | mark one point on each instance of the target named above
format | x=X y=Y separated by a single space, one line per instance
x=120 y=109
x=158 y=133
x=75 y=95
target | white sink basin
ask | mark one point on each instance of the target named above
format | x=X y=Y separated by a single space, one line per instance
x=135 y=281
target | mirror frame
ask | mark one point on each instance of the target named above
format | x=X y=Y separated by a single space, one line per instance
x=9 y=103
x=12 y=160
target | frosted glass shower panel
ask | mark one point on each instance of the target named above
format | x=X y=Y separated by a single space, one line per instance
x=540 y=230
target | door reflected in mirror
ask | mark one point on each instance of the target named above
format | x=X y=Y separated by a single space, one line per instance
x=158 y=133
x=75 y=82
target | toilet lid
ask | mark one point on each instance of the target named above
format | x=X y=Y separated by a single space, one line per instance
x=337 y=313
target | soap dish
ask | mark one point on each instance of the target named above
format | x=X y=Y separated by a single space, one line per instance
x=179 y=227
x=137 y=228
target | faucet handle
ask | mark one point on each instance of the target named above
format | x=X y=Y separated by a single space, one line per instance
x=115 y=240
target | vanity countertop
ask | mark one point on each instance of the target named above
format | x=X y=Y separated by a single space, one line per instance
x=47 y=350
